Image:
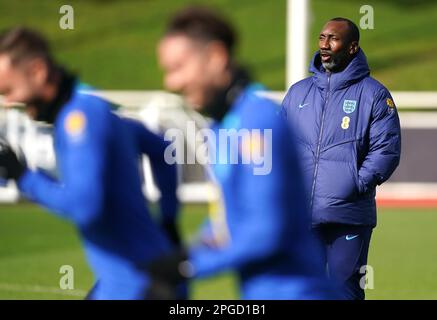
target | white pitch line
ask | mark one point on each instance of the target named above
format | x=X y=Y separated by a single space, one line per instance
x=41 y=289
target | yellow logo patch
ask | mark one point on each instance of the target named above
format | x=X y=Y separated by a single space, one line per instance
x=390 y=103
x=345 y=122
x=252 y=146
x=75 y=123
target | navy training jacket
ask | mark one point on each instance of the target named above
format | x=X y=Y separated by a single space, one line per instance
x=348 y=133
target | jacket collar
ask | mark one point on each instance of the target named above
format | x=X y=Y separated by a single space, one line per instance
x=354 y=72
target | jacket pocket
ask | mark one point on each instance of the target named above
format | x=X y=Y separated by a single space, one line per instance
x=337 y=180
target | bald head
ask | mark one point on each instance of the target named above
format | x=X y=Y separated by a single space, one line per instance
x=353 y=33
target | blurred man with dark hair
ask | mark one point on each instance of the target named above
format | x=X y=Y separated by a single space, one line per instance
x=99 y=187
x=261 y=228
x=350 y=142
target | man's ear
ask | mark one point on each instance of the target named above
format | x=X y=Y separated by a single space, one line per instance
x=38 y=70
x=353 y=47
x=218 y=56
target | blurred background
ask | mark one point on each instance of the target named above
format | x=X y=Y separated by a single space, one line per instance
x=113 y=42
x=112 y=47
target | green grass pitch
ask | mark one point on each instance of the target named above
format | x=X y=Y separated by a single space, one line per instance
x=35 y=244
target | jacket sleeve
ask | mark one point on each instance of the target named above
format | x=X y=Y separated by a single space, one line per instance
x=165 y=174
x=384 y=144
x=79 y=194
x=261 y=222
x=284 y=104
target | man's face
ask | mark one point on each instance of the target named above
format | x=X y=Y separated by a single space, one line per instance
x=336 y=50
x=189 y=68
x=19 y=83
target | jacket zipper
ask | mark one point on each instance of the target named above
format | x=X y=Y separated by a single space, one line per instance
x=319 y=144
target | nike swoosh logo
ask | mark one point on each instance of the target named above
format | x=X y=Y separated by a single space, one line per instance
x=303 y=105
x=349 y=237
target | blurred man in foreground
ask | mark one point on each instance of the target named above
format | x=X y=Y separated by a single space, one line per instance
x=99 y=186
x=350 y=142
x=261 y=230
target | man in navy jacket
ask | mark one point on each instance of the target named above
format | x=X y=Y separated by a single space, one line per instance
x=348 y=132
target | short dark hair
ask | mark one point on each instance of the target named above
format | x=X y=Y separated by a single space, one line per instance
x=23 y=44
x=201 y=23
x=354 y=32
